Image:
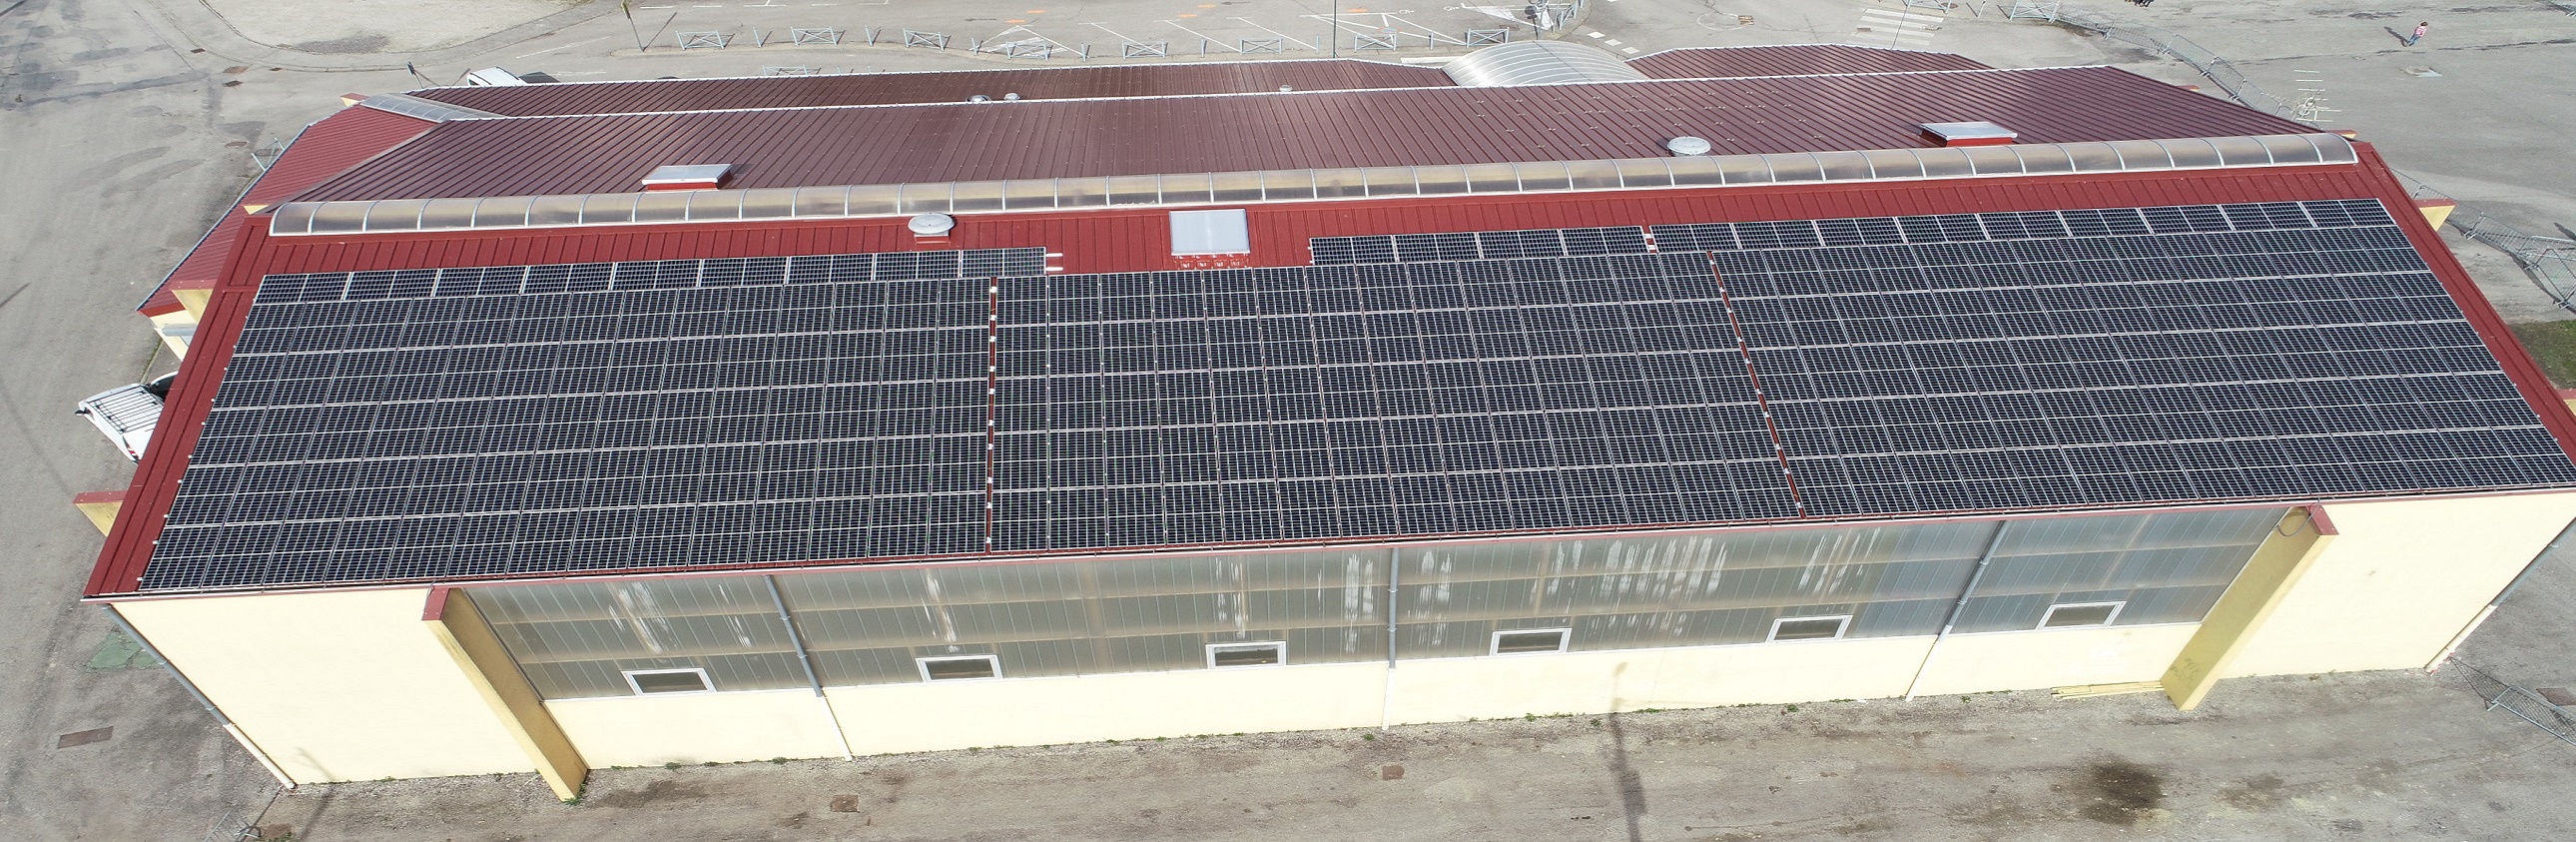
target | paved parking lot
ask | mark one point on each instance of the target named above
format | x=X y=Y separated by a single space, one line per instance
x=131 y=122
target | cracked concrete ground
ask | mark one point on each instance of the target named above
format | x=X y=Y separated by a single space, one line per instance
x=128 y=124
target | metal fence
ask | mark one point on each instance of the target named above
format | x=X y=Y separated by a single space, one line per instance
x=2551 y=261
x=2210 y=65
x=2522 y=702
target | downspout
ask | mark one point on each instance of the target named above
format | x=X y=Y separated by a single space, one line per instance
x=1961 y=607
x=812 y=680
x=1386 y=699
x=127 y=629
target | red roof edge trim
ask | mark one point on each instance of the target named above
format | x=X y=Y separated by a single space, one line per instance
x=192 y=395
x=2516 y=360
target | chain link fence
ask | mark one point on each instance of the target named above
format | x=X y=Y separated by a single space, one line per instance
x=2522 y=702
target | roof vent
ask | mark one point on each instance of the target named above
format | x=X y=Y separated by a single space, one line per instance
x=1687 y=145
x=1010 y=97
x=1971 y=133
x=931 y=224
x=979 y=98
x=687 y=176
x=1286 y=88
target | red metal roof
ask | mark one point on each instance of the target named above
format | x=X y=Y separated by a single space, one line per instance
x=1143 y=80
x=1793 y=60
x=1125 y=240
x=957 y=142
x=326 y=148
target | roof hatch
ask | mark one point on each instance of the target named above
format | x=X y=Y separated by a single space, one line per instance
x=1970 y=133
x=687 y=176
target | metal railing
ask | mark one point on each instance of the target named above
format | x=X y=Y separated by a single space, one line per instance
x=2210 y=65
x=2523 y=703
x=2551 y=261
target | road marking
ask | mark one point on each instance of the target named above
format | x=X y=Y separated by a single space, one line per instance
x=564 y=47
x=1612 y=42
x=1629 y=50
x=1594 y=35
x=1894 y=16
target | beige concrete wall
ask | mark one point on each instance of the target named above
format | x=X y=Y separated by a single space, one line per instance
x=697 y=727
x=2030 y=660
x=1454 y=689
x=2400 y=581
x=333 y=686
x=888 y=718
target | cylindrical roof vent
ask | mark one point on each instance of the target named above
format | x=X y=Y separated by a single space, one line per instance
x=1687 y=145
x=931 y=224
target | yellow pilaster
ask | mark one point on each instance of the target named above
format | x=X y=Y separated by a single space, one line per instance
x=2436 y=211
x=101 y=507
x=2296 y=541
x=194 y=299
x=459 y=626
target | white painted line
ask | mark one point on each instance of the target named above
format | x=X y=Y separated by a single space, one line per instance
x=1612 y=42
x=1594 y=35
x=1629 y=50
x=564 y=47
x=657 y=7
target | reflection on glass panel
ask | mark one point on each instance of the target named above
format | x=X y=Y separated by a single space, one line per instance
x=1143 y=614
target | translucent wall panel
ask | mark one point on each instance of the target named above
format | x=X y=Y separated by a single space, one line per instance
x=2169 y=567
x=1073 y=618
x=1049 y=618
x=575 y=640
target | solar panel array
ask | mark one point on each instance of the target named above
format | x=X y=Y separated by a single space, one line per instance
x=1474 y=245
x=652 y=417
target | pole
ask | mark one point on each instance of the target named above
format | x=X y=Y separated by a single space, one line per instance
x=1960 y=607
x=812 y=680
x=235 y=731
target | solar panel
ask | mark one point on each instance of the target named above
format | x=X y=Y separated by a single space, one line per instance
x=1425 y=398
x=1475 y=245
x=512 y=420
x=1999 y=361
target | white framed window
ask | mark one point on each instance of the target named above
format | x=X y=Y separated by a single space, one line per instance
x=959 y=667
x=1210 y=232
x=2066 y=615
x=1530 y=641
x=1810 y=628
x=1268 y=653
x=659 y=682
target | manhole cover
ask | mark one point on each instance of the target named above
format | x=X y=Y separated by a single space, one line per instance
x=845 y=803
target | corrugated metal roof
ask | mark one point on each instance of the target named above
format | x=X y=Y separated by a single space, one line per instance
x=638 y=97
x=1111 y=240
x=987 y=141
x=326 y=148
x=1793 y=60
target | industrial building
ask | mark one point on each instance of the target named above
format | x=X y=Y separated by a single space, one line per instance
x=580 y=425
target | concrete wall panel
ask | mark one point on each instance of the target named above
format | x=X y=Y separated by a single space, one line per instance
x=2400 y=581
x=697 y=727
x=2030 y=660
x=333 y=686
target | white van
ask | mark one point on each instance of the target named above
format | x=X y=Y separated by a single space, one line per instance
x=127 y=414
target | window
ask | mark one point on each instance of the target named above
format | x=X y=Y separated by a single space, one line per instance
x=1269 y=654
x=2072 y=614
x=1809 y=628
x=1210 y=232
x=959 y=667
x=650 y=682
x=1527 y=641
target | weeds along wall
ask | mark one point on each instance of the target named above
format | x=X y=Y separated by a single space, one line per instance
x=917 y=624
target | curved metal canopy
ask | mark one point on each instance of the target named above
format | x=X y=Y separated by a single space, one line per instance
x=1539 y=63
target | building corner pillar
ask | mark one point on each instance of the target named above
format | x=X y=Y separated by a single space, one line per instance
x=2302 y=535
x=460 y=627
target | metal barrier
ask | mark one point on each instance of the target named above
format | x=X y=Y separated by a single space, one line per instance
x=2522 y=703
x=1145 y=49
x=816 y=36
x=704 y=40
x=933 y=40
x=2551 y=261
x=790 y=70
x=1261 y=45
x=1374 y=42
x=1488 y=37
x=2210 y=65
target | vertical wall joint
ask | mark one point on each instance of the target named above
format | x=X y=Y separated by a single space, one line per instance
x=461 y=629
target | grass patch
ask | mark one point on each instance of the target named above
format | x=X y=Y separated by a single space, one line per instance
x=2554 y=344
